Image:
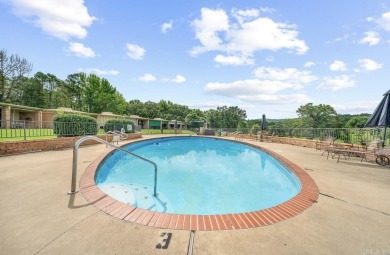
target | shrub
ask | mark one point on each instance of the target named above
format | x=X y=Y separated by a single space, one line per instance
x=255 y=129
x=74 y=125
x=118 y=124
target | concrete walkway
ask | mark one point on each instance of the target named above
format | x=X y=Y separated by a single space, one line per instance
x=37 y=216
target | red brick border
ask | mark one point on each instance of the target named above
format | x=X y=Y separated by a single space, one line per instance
x=303 y=200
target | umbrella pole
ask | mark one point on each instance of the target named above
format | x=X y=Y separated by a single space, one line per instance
x=384 y=137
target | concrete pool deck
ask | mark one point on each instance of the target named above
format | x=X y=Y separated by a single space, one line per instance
x=352 y=215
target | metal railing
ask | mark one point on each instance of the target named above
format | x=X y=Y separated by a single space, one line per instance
x=117 y=136
x=24 y=129
x=347 y=135
x=73 y=189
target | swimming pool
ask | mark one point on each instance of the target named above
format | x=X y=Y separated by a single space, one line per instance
x=197 y=175
x=129 y=213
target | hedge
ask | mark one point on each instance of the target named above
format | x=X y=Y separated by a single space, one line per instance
x=74 y=125
x=118 y=124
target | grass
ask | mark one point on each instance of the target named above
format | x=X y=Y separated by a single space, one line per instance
x=165 y=131
x=5 y=139
x=31 y=134
x=35 y=134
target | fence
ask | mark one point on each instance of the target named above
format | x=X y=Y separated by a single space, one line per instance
x=22 y=129
x=347 y=135
x=30 y=129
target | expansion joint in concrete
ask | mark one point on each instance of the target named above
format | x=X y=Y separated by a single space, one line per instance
x=66 y=231
x=371 y=209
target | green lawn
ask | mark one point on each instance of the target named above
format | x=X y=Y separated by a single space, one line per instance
x=35 y=134
x=5 y=139
x=31 y=134
x=165 y=131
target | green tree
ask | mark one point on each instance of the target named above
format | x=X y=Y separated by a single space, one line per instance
x=74 y=86
x=242 y=126
x=51 y=86
x=317 y=116
x=164 y=108
x=13 y=71
x=230 y=116
x=151 y=110
x=136 y=107
x=213 y=118
x=120 y=105
x=33 y=93
x=285 y=127
x=179 y=112
x=193 y=120
x=100 y=96
x=357 y=122
x=253 y=122
x=255 y=129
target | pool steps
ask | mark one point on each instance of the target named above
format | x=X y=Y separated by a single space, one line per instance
x=137 y=195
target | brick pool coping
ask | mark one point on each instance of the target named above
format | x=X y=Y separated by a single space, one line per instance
x=296 y=205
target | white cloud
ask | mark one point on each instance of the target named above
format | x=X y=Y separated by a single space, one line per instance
x=245 y=87
x=208 y=105
x=64 y=19
x=80 y=50
x=267 y=10
x=309 y=64
x=356 y=107
x=207 y=28
x=266 y=87
x=147 y=77
x=371 y=38
x=234 y=60
x=265 y=34
x=178 y=79
x=369 y=65
x=249 y=34
x=99 y=71
x=256 y=90
x=290 y=75
x=338 y=65
x=278 y=99
x=166 y=26
x=337 y=83
x=134 y=51
x=245 y=15
x=384 y=21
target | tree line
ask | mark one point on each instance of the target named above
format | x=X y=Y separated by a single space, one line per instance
x=91 y=93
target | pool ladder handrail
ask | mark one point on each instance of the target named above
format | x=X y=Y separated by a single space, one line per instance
x=73 y=189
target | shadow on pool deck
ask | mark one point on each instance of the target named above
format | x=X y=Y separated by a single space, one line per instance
x=352 y=215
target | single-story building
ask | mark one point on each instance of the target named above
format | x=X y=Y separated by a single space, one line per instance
x=14 y=116
x=18 y=116
x=158 y=123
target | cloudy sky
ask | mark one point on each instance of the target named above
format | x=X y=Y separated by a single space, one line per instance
x=264 y=56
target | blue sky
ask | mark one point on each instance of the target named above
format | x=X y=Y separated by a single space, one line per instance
x=264 y=56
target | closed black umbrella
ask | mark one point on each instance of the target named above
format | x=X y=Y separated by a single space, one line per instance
x=263 y=123
x=381 y=115
x=263 y=126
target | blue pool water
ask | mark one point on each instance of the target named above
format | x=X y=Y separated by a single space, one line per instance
x=197 y=175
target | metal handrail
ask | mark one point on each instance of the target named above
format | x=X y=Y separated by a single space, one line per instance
x=122 y=136
x=75 y=157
